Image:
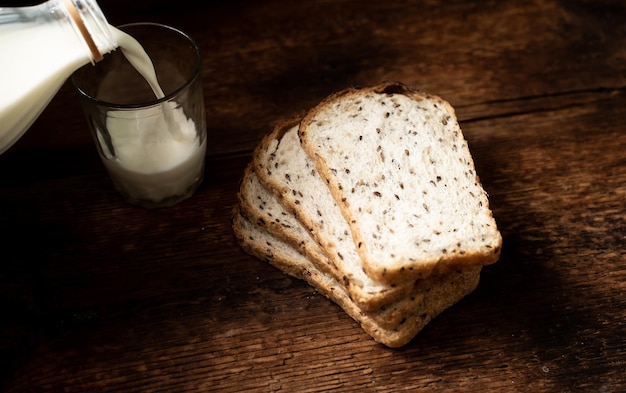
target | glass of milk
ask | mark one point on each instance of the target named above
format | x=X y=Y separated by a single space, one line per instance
x=144 y=106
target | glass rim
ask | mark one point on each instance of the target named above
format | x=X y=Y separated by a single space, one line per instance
x=195 y=74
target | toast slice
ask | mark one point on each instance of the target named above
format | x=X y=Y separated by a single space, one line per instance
x=397 y=163
x=284 y=168
x=439 y=292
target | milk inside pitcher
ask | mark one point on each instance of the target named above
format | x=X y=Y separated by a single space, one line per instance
x=41 y=46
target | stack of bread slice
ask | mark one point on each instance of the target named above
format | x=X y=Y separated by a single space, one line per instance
x=373 y=199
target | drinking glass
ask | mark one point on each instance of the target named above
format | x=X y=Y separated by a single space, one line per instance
x=153 y=148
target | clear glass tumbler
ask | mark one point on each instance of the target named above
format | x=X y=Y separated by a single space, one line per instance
x=152 y=143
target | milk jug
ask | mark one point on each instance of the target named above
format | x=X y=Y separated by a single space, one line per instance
x=40 y=47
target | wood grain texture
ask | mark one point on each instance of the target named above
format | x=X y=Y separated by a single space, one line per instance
x=96 y=295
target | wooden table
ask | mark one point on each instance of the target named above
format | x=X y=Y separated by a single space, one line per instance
x=99 y=296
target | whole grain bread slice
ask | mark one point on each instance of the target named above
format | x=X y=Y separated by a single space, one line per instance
x=439 y=292
x=284 y=168
x=399 y=167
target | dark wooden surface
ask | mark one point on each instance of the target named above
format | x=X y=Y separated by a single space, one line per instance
x=100 y=296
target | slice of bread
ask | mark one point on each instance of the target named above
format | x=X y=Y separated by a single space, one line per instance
x=439 y=292
x=397 y=163
x=283 y=167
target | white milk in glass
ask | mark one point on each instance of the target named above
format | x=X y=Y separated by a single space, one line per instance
x=158 y=153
